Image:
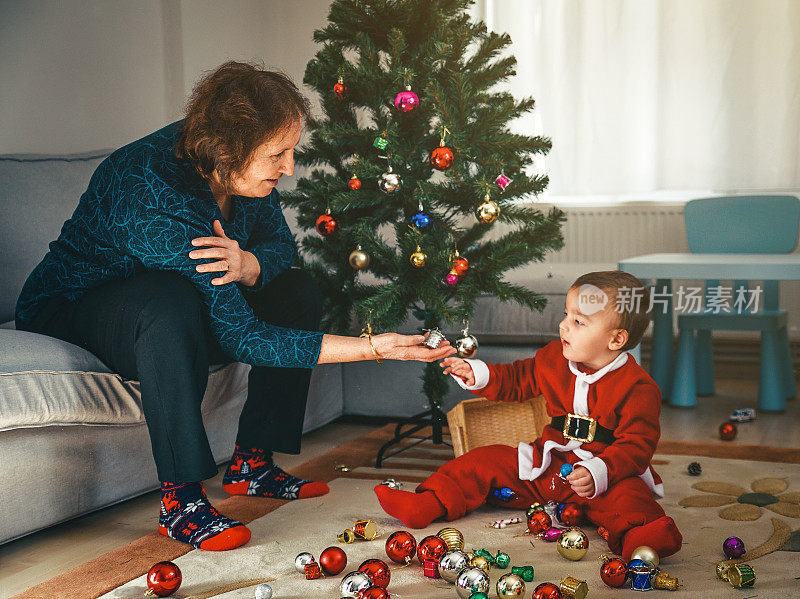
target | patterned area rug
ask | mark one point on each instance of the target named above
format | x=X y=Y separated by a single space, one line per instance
x=312 y=525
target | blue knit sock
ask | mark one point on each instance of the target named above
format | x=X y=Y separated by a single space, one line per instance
x=252 y=472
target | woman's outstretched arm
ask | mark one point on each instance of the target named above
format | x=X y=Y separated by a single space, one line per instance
x=390 y=346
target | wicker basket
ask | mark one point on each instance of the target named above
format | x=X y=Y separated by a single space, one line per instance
x=478 y=422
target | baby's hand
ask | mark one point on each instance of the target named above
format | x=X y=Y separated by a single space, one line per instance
x=459 y=368
x=580 y=480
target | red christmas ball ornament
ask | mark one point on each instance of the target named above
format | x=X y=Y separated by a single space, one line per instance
x=538 y=522
x=406 y=101
x=333 y=560
x=460 y=265
x=546 y=590
x=442 y=158
x=571 y=514
x=374 y=593
x=163 y=579
x=327 y=225
x=340 y=89
x=431 y=547
x=354 y=183
x=378 y=572
x=614 y=572
x=401 y=547
x=727 y=431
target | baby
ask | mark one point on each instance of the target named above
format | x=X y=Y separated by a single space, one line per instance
x=604 y=409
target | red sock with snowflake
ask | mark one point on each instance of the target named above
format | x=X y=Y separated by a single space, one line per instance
x=252 y=472
x=187 y=516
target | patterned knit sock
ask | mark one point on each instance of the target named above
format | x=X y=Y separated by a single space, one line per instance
x=186 y=515
x=252 y=472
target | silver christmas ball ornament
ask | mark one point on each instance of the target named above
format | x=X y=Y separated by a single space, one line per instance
x=352 y=584
x=263 y=591
x=452 y=562
x=510 y=585
x=466 y=345
x=470 y=580
x=301 y=560
x=392 y=483
x=390 y=182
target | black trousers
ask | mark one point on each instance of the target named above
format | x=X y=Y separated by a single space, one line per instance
x=152 y=328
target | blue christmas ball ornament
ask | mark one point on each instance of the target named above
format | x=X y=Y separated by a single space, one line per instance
x=505 y=494
x=566 y=470
x=422 y=221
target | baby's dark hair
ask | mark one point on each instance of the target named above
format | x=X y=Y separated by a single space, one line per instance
x=634 y=313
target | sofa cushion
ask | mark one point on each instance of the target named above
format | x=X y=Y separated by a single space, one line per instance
x=37 y=194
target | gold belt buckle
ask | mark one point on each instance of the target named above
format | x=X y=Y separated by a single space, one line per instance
x=592 y=428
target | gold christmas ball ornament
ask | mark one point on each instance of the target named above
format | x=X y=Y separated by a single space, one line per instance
x=482 y=562
x=453 y=538
x=510 y=585
x=359 y=259
x=418 y=258
x=573 y=544
x=647 y=554
x=487 y=212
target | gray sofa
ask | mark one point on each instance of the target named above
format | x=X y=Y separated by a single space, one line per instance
x=72 y=433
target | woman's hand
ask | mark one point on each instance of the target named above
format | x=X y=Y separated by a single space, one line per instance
x=237 y=264
x=393 y=346
x=460 y=368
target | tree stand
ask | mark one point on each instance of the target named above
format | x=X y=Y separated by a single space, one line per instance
x=434 y=418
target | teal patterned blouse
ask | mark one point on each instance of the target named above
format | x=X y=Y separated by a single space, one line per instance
x=140 y=212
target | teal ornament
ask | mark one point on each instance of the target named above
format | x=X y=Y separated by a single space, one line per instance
x=502 y=560
x=485 y=554
x=479 y=595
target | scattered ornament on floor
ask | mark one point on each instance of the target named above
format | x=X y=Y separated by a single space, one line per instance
x=482 y=562
x=452 y=537
x=163 y=579
x=434 y=338
x=390 y=182
x=378 y=572
x=510 y=585
x=431 y=547
x=354 y=183
x=727 y=431
x=505 y=494
x=359 y=259
x=733 y=547
x=471 y=580
x=535 y=507
x=418 y=258
x=722 y=570
x=538 y=522
x=333 y=560
x=502 y=181
x=342 y=468
x=614 y=572
x=392 y=483
x=451 y=563
x=263 y=591
x=603 y=532
x=665 y=582
x=340 y=89
x=743 y=415
x=647 y=554
x=503 y=523
x=374 y=593
x=431 y=568
x=301 y=560
x=346 y=536
x=546 y=590
x=524 y=572
x=640 y=577
x=551 y=535
x=502 y=560
x=366 y=530
x=741 y=576
x=695 y=469
x=565 y=470
x=406 y=100
x=467 y=347
x=573 y=544
x=607 y=556
x=479 y=595
x=401 y=547
x=312 y=571
x=573 y=588
x=326 y=224
x=353 y=583
x=570 y=513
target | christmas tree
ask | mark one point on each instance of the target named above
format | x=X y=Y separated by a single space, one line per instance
x=414 y=167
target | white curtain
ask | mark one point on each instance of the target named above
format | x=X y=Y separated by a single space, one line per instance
x=647 y=95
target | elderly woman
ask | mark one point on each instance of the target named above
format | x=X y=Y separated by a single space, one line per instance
x=178 y=256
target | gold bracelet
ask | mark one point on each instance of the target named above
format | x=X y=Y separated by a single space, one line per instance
x=367 y=332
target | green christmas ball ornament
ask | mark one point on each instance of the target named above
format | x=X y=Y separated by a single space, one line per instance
x=501 y=560
x=479 y=595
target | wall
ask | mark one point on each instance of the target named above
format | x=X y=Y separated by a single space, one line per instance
x=81 y=75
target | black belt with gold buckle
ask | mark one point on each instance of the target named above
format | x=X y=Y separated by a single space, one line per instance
x=582 y=428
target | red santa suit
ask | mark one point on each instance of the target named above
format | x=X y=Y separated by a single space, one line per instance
x=620 y=396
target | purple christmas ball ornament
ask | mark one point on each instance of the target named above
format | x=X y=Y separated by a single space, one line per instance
x=733 y=547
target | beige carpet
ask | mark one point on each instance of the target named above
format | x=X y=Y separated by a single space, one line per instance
x=313 y=525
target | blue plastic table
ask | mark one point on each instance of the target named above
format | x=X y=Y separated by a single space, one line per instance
x=665 y=267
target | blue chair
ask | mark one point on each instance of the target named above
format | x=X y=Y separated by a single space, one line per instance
x=743 y=225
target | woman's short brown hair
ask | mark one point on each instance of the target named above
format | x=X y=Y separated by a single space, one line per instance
x=231 y=112
x=633 y=305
